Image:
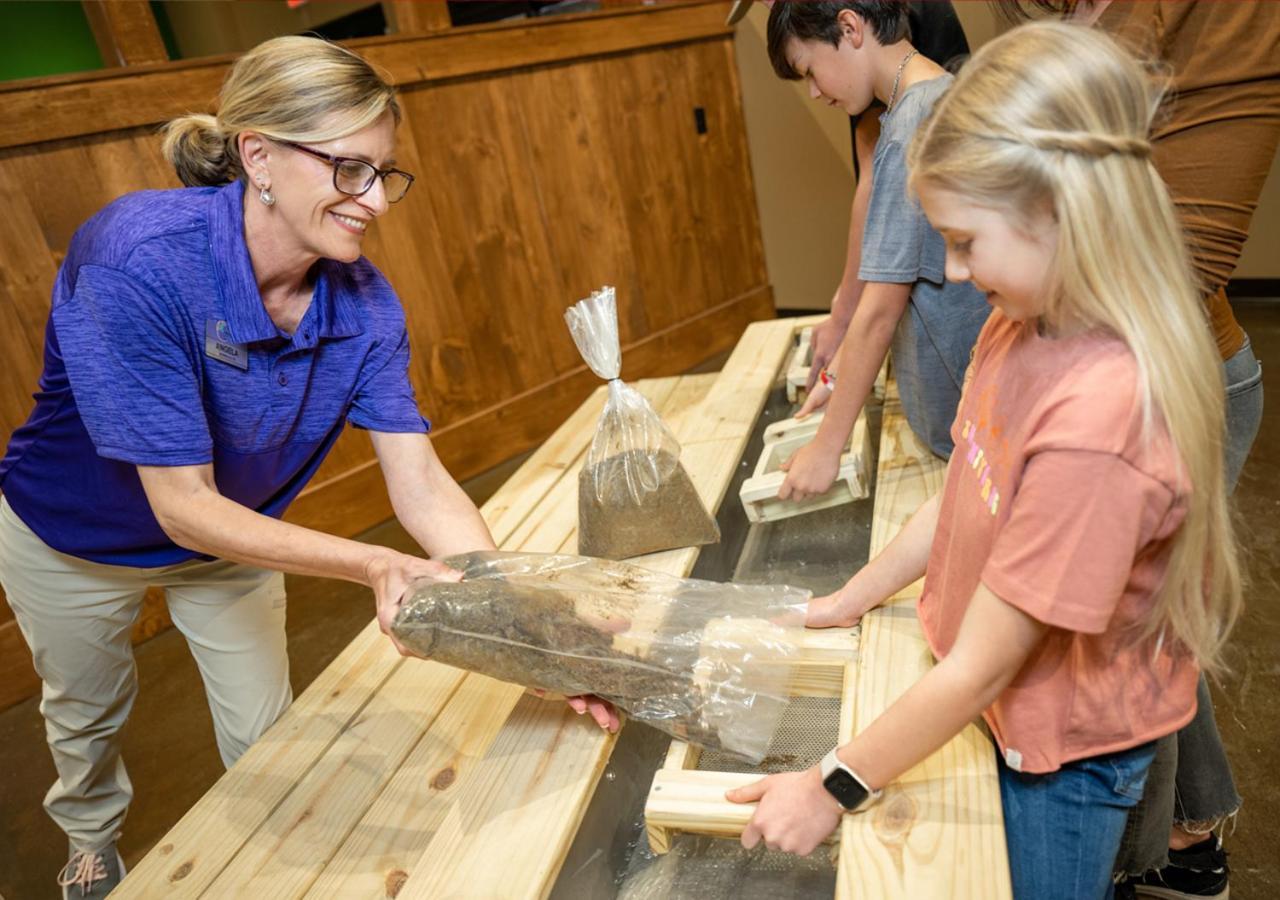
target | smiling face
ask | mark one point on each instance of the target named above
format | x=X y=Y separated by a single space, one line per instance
x=1007 y=260
x=310 y=216
x=839 y=76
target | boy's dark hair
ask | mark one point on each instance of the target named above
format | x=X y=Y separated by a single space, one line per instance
x=816 y=20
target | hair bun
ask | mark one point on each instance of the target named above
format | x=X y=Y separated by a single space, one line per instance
x=196 y=147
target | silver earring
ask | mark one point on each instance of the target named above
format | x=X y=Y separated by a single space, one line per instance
x=267 y=198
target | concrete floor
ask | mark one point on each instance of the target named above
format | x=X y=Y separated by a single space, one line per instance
x=170 y=750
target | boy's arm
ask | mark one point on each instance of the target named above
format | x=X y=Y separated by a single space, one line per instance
x=828 y=334
x=814 y=467
x=796 y=813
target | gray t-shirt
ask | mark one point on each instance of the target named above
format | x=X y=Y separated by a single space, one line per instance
x=932 y=344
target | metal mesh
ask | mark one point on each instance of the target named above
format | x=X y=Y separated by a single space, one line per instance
x=810 y=726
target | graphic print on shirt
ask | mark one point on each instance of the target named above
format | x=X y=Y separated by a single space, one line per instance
x=978 y=462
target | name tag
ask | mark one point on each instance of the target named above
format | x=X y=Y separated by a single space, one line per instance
x=218 y=345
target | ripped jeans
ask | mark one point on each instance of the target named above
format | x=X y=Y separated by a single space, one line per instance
x=1190 y=783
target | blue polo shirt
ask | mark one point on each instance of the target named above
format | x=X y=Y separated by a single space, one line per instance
x=159 y=352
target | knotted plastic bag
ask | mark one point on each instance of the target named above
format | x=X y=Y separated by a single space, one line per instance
x=634 y=497
x=705 y=662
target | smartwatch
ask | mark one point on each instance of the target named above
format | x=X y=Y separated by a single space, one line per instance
x=841 y=782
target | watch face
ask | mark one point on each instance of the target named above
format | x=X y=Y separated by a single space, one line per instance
x=845 y=788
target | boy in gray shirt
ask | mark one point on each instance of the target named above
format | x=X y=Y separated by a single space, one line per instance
x=852 y=53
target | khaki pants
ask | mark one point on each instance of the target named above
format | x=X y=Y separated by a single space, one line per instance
x=77 y=617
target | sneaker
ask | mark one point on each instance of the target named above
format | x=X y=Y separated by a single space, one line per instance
x=1199 y=871
x=88 y=875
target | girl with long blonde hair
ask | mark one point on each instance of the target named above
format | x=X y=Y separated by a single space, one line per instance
x=1080 y=568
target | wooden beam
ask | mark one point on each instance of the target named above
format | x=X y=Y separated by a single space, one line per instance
x=126 y=32
x=45 y=109
x=417 y=16
x=938 y=831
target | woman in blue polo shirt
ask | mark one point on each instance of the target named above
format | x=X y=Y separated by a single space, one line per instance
x=204 y=350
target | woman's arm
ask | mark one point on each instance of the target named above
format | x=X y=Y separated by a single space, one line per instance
x=426 y=499
x=795 y=812
x=188 y=506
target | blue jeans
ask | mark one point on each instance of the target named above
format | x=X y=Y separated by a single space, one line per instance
x=1063 y=829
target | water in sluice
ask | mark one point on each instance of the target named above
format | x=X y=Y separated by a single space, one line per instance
x=610 y=858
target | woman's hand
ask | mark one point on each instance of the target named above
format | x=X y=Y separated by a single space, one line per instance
x=811 y=471
x=601 y=710
x=389 y=573
x=795 y=813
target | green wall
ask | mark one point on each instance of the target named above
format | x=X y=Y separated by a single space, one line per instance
x=45 y=37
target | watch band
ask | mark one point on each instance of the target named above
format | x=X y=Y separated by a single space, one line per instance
x=846 y=785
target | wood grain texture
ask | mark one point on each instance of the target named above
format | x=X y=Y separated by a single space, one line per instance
x=41 y=109
x=125 y=31
x=938 y=831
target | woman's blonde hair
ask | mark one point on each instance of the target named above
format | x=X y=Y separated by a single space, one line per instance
x=1054 y=118
x=302 y=89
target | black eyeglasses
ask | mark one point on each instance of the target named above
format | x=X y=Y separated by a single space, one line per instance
x=354 y=177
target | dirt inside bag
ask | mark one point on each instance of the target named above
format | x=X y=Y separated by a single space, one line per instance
x=634 y=496
x=705 y=662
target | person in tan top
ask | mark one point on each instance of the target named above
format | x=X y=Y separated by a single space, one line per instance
x=1079 y=563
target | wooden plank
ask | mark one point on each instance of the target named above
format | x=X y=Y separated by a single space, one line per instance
x=938 y=831
x=125 y=31
x=44 y=109
x=195 y=850
x=417 y=17
x=693 y=802
x=293 y=844
x=511 y=822
x=483 y=819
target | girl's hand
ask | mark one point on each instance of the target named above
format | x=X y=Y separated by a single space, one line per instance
x=389 y=574
x=811 y=471
x=794 y=813
x=839 y=610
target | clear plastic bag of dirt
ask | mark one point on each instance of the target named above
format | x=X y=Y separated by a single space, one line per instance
x=634 y=496
x=705 y=662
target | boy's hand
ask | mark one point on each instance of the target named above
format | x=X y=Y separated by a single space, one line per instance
x=817 y=398
x=826 y=339
x=810 y=472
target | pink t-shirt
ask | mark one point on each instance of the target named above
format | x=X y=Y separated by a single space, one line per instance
x=1059 y=505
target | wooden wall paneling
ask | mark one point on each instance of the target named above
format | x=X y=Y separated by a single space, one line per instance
x=417 y=17
x=648 y=152
x=26 y=282
x=43 y=109
x=481 y=235
x=728 y=218
x=125 y=31
x=566 y=119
